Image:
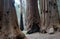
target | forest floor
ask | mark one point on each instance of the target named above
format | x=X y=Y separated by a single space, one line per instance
x=43 y=36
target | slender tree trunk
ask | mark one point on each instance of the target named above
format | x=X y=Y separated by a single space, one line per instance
x=9 y=28
x=21 y=18
x=21 y=22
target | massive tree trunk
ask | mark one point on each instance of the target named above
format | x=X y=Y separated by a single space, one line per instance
x=32 y=14
x=49 y=14
x=9 y=28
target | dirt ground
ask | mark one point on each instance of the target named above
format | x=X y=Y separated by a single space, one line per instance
x=43 y=36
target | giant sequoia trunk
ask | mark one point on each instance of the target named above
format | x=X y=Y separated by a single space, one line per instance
x=9 y=28
x=49 y=14
x=32 y=15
